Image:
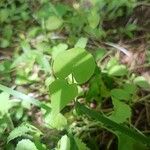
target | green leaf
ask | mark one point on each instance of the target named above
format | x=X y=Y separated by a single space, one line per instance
x=61 y=94
x=118 y=70
x=25 y=144
x=23 y=97
x=59 y=48
x=125 y=142
x=130 y=88
x=22 y=130
x=121 y=112
x=81 y=42
x=99 y=54
x=64 y=143
x=4 y=103
x=141 y=82
x=57 y=121
x=80 y=144
x=75 y=61
x=120 y=94
x=111 y=125
x=17 y=132
x=53 y=23
x=4 y=14
x=4 y=43
x=93 y=19
x=112 y=62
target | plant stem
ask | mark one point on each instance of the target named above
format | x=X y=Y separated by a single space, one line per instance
x=10 y=121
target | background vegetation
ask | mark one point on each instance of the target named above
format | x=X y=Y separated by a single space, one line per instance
x=74 y=75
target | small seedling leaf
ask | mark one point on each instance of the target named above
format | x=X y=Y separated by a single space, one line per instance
x=61 y=94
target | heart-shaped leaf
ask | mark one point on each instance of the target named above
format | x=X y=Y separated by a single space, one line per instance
x=75 y=61
x=61 y=94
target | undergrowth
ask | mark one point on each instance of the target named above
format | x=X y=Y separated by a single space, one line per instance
x=65 y=84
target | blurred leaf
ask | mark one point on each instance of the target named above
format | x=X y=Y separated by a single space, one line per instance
x=81 y=43
x=80 y=144
x=53 y=23
x=118 y=70
x=112 y=62
x=4 y=103
x=4 y=43
x=4 y=14
x=93 y=19
x=17 y=132
x=64 y=143
x=57 y=121
x=130 y=88
x=99 y=54
x=141 y=82
x=59 y=48
x=25 y=144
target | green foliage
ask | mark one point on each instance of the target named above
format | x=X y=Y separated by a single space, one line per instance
x=22 y=130
x=117 y=70
x=4 y=101
x=130 y=143
x=121 y=112
x=58 y=48
x=53 y=23
x=61 y=94
x=57 y=121
x=141 y=82
x=120 y=94
x=17 y=132
x=25 y=144
x=74 y=61
x=64 y=143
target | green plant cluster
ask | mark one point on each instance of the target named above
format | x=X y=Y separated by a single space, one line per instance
x=50 y=54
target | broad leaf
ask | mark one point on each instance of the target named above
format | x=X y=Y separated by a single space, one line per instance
x=61 y=94
x=118 y=70
x=121 y=112
x=25 y=144
x=120 y=94
x=75 y=61
x=130 y=88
